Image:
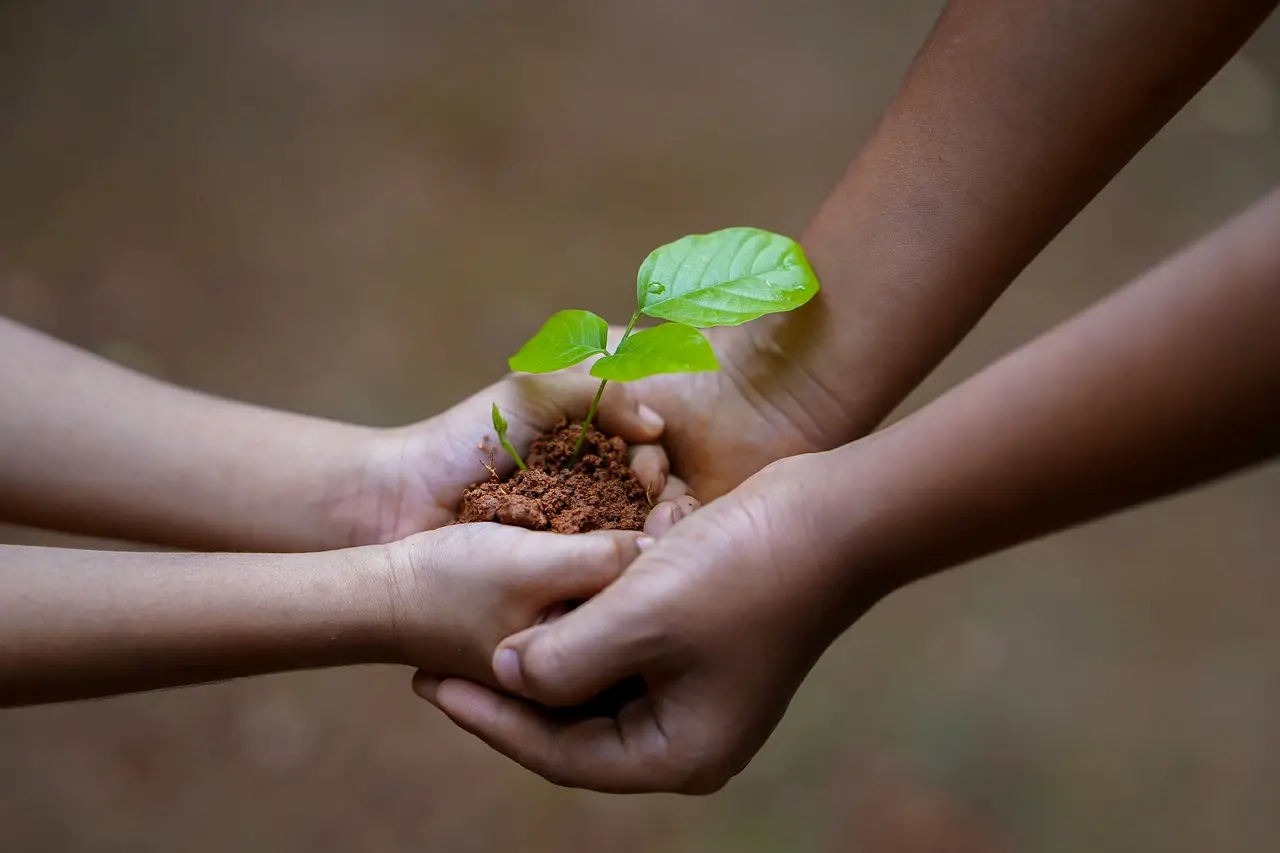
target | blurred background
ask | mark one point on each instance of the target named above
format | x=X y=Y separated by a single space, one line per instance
x=358 y=210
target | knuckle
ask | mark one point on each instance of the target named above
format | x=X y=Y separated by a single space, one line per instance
x=543 y=659
x=613 y=552
x=622 y=550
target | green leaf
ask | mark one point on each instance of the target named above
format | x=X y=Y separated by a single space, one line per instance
x=499 y=423
x=669 y=348
x=725 y=278
x=564 y=340
x=500 y=426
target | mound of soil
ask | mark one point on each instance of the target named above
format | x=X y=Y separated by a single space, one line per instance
x=599 y=492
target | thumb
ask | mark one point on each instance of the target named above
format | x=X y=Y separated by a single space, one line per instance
x=575 y=658
x=570 y=567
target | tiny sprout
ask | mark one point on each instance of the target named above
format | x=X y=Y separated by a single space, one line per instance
x=500 y=425
x=725 y=278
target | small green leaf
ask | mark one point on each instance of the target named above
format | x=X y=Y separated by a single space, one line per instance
x=500 y=426
x=669 y=348
x=564 y=340
x=725 y=278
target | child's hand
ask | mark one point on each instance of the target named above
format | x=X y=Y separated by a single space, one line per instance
x=411 y=479
x=458 y=591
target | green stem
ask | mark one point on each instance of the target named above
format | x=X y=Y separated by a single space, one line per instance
x=586 y=425
x=506 y=445
x=595 y=404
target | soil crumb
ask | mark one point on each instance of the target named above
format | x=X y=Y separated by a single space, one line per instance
x=599 y=492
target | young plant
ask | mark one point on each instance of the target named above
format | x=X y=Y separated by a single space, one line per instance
x=725 y=278
x=500 y=426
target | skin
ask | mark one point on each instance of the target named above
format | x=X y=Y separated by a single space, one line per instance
x=1170 y=383
x=1011 y=119
x=96 y=449
x=86 y=624
x=93 y=448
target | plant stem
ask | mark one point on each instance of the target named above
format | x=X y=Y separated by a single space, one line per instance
x=506 y=445
x=595 y=404
x=586 y=425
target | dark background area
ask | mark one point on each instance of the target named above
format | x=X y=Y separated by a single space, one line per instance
x=358 y=211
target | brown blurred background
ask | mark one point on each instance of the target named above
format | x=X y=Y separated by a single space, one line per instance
x=358 y=210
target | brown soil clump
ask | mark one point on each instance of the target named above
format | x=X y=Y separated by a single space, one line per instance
x=599 y=492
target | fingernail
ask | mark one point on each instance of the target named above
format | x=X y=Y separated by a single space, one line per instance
x=651 y=418
x=506 y=666
x=677 y=513
x=643 y=542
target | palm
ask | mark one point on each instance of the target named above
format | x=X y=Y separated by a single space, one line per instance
x=720 y=430
x=411 y=479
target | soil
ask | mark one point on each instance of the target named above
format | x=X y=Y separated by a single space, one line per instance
x=599 y=492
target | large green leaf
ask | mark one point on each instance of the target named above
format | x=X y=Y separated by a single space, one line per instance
x=724 y=278
x=669 y=348
x=564 y=340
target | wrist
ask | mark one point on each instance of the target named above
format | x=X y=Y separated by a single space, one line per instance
x=418 y=630
x=355 y=617
x=359 y=470
x=877 y=505
x=846 y=539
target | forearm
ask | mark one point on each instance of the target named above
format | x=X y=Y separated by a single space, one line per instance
x=85 y=624
x=1013 y=116
x=90 y=447
x=1170 y=383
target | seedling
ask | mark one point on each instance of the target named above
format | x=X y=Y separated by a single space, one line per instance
x=725 y=278
x=500 y=426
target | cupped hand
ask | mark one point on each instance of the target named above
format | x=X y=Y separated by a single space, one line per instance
x=403 y=481
x=456 y=592
x=724 y=426
x=723 y=618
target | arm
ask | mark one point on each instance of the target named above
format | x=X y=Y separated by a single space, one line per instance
x=1173 y=381
x=90 y=447
x=1012 y=118
x=85 y=624
x=82 y=624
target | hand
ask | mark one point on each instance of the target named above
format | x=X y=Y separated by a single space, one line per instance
x=723 y=618
x=402 y=481
x=457 y=592
x=722 y=427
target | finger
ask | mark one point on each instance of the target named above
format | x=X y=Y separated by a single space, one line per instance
x=600 y=753
x=573 y=659
x=675 y=488
x=688 y=503
x=668 y=514
x=425 y=686
x=571 y=394
x=562 y=568
x=553 y=612
x=621 y=414
x=662 y=518
x=649 y=464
